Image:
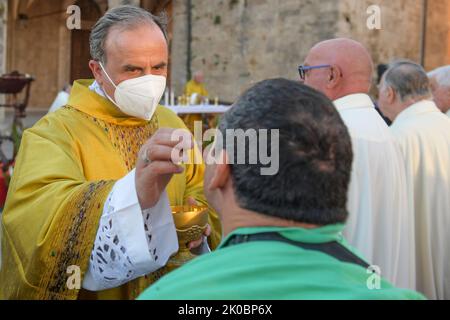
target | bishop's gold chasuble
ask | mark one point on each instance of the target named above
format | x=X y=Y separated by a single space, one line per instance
x=66 y=167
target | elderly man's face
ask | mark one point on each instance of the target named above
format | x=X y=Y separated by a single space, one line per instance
x=316 y=78
x=133 y=53
x=441 y=95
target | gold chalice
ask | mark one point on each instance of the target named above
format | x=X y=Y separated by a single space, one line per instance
x=191 y=223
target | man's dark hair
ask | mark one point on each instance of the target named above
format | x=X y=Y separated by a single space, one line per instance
x=315 y=153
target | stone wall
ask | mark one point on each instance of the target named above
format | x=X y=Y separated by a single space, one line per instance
x=115 y=3
x=400 y=33
x=437 y=51
x=238 y=42
x=178 y=46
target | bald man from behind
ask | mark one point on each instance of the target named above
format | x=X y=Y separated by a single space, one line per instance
x=379 y=223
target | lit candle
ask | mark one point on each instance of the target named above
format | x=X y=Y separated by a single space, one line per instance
x=172 y=98
x=166 y=97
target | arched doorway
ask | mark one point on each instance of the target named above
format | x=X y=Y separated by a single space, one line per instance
x=80 y=52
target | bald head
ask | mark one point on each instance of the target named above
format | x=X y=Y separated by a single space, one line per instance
x=350 y=68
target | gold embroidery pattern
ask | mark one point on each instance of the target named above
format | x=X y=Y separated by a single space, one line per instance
x=73 y=244
x=128 y=140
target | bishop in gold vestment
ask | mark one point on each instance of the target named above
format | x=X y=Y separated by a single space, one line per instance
x=66 y=167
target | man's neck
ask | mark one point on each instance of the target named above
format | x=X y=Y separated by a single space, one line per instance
x=410 y=102
x=349 y=93
x=241 y=218
x=95 y=87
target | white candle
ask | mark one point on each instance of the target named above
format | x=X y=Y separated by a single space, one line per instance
x=172 y=98
x=166 y=97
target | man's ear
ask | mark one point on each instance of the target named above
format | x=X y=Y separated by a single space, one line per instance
x=432 y=85
x=221 y=173
x=391 y=95
x=96 y=71
x=334 y=76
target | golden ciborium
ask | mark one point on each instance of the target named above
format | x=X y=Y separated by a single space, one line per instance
x=190 y=222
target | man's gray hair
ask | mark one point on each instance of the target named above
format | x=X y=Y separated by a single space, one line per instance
x=442 y=75
x=125 y=17
x=408 y=79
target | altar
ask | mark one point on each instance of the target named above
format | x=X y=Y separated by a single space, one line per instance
x=199 y=109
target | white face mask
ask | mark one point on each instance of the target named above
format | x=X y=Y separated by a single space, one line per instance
x=138 y=97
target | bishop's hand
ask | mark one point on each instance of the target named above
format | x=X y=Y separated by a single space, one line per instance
x=158 y=160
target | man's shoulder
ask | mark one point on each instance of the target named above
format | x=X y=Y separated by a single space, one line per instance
x=403 y=129
x=218 y=276
x=365 y=123
x=168 y=118
x=412 y=129
x=187 y=276
x=426 y=135
x=432 y=122
x=61 y=120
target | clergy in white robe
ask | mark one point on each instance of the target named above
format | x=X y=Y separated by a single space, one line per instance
x=423 y=134
x=62 y=98
x=440 y=87
x=379 y=223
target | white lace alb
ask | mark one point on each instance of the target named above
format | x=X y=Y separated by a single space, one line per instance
x=130 y=242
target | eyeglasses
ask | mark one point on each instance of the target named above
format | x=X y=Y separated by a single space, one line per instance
x=302 y=70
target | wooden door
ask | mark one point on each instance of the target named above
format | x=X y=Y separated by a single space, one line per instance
x=80 y=50
x=80 y=55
